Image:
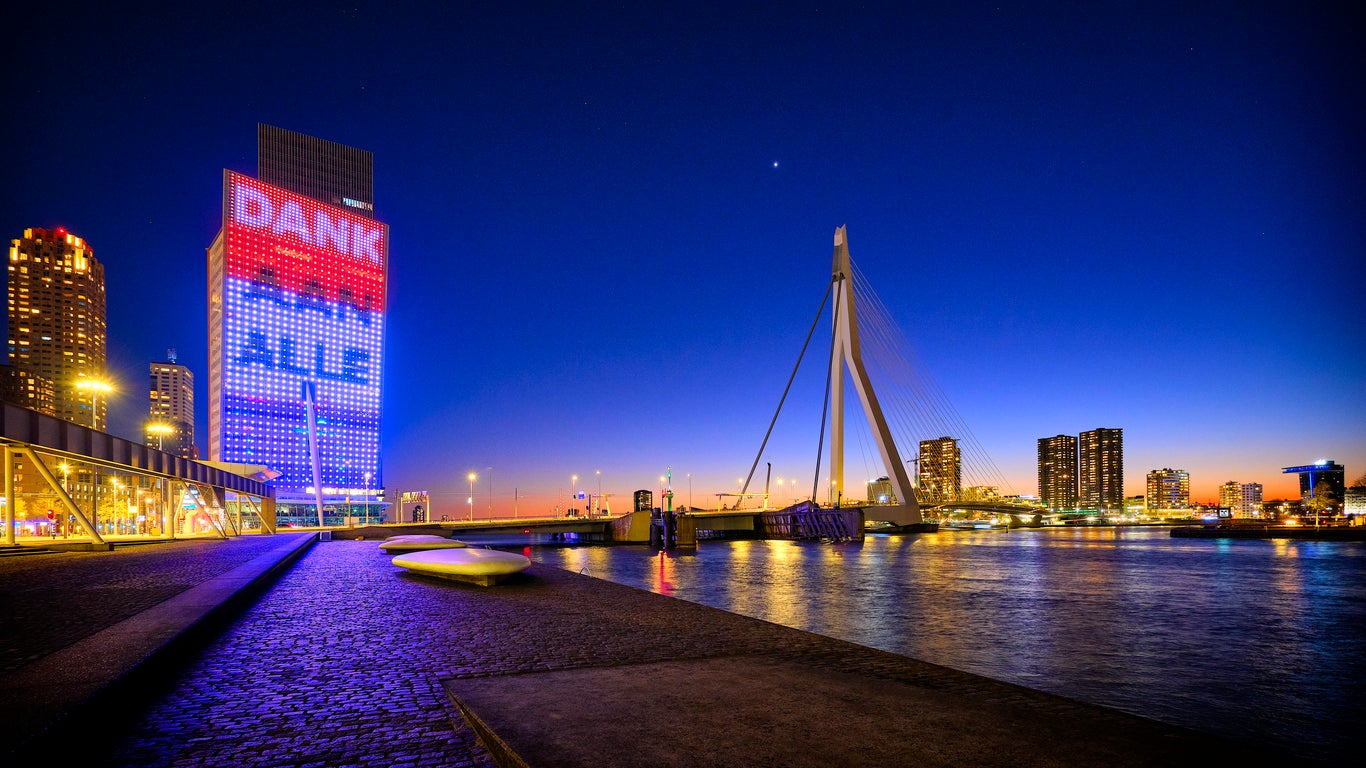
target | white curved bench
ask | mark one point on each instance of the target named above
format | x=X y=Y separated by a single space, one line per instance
x=484 y=567
x=416 y=542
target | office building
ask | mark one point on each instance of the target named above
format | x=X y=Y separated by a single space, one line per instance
x=1058 y=471
x=170 y=408
x=941 y=471
x=1168 y=489
x=1242 y=499
x=1100 y=469
x=880 y=491
x=1323 y=484
x=297 y=280
x=57 y=327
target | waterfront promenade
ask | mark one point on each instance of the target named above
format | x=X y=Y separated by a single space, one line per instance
x=332 y=656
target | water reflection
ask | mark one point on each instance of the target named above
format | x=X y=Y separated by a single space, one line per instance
x=1256 y=639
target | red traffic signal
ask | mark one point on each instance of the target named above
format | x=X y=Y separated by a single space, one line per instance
x=49 y=514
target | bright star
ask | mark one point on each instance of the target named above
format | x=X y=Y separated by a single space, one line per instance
x=775 y=163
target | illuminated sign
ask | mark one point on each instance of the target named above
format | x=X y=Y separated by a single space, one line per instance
x=303 y=303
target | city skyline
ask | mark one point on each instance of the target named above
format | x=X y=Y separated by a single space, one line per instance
x=605 y=256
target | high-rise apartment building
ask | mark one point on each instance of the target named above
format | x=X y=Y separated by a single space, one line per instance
x=1100 y=469
x=1168 y=489
x=57 y=327
x=1242 y=499
x=297 y=280
x=941 y=470
x=170 y=408
x=1058 y=471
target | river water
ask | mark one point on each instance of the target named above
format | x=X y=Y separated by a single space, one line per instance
x=1260 y=640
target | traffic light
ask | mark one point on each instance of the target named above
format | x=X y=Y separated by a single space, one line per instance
x=50 y=514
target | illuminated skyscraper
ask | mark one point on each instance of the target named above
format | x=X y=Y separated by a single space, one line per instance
x=1058 y=471
x=57 y=331
x=297 y=280
x=170 y=408
x=1168 y=489
x=1100 y=477
x=941 y=470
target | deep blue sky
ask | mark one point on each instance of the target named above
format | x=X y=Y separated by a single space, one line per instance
x=1147 y=216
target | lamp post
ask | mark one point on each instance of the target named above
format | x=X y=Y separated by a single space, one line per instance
x=470 y=499
x=574 y=494
x=160 y=429
x=367 y=498
x=689 y=491
x=66 y=489
x=114 y=481
x=598 y=472
x=490 y=469
x=95 y=386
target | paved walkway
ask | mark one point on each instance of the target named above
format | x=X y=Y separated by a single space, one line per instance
x=347 y=660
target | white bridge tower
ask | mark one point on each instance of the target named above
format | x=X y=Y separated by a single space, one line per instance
x=844 y=351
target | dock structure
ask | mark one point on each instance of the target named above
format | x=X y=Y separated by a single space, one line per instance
x=340 y=657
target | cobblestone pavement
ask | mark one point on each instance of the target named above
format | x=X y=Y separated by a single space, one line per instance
x=342 y=663
x=54 y=599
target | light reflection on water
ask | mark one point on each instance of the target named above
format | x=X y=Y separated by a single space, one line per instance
x=1254 y=639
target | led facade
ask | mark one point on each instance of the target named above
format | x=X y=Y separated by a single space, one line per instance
x=297 y=303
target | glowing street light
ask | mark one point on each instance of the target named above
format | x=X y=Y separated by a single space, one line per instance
x=160 y=429
x=118 y=487
x=470 y=499
x=598 y=472
x=574 y=494
x=96 y=386
x=367 y=477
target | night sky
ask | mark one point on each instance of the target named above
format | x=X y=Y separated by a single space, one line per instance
x=611 y=223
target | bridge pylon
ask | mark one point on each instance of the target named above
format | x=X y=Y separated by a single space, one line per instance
x=845 y=353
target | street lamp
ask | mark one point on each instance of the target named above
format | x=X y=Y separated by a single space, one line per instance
x=160 y=429
x=118 y=486
x=367 y=477
x=470 y=499
x=689 y=491
x=574 y=494
x=598 y=472
x=95 y=386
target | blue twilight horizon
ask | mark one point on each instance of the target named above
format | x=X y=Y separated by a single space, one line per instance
x=610 y=227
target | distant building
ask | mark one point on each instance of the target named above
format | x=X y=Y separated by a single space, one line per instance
x=1058 y=471
x=28 y=390
x=1322 y=483
x=1354 y=502
x=57 y=327
x=1168 y=489
x=1100 y=476
x=880 y=491
x=644 y=501
x=986 y=493
x=1242 y=499
x=170 y=408
x=941 y=470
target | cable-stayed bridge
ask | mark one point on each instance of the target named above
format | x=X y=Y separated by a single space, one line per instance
x=920 y=456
